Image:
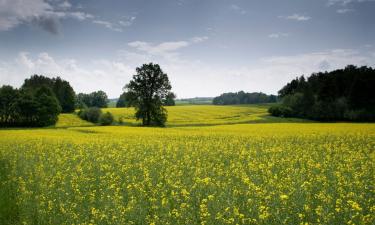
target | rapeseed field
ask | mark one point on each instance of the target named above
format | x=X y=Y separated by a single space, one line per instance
x=202 y=115
x=270 y=173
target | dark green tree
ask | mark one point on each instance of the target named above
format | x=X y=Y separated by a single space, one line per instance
x=169 y=100
x=61 y=88
x=64 y=94
x=343 y=94
x=95 y=99
x=48 y=107
x=8 y=96
x=148 y=89
x=99 y=99
x=121 y=102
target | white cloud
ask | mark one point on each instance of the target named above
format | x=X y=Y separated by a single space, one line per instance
x=43 y=13
x=296 y=17
x=80 y=15
x=128 y=21
x=165 y=49
x=189 y=78
x=108 y=25
x=65 y=5
x=278 y=35
x=345 y=2
x=238 y=9
x=343 y=11
x=199 y=39
x=109 y=76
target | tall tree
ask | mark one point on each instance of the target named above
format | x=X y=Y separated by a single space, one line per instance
x=148 y=89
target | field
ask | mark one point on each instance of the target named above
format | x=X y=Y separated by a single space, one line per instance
x=203 y=115
x=249 y=169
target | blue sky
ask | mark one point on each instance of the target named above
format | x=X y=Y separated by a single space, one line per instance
x=207 y=47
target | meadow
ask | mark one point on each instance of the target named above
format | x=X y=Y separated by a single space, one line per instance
x=248 y=169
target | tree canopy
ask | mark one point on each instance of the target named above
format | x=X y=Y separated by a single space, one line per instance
x=148 y=91
x=95 y=99
x=20 y=107
x=61 y=89
x=344 y=94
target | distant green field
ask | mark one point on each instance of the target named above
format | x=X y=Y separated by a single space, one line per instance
x=201 y=115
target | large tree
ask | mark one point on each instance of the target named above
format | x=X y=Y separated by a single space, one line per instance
x=149 y=89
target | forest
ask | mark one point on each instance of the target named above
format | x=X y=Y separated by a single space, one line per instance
x=340 y=95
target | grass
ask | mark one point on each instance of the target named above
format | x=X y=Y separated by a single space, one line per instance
x=247 y=173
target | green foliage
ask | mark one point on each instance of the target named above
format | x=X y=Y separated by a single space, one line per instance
x=243 y=98
x=345 y=94
x=125 y=100
x=28 y=108
x=61 y=88
x=91 y=114
x=147 y=91
x=106 y=119
x=170 y=99
x=95 y=99
x=280 y=110
x=48 y=107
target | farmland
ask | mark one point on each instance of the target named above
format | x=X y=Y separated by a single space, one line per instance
x=203 y=115
x=248 y=169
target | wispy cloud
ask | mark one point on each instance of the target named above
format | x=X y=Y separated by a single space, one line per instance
x=116 y=26
x=343 y=11
x=278 y=35
x=165 y=49
x=296 y=17
x=108 y=25
x=238 y=9
x=346 y=2
x=127 y=21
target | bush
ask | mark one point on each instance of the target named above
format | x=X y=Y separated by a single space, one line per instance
x=106 y=119
x=280 y=111
x=91 y=114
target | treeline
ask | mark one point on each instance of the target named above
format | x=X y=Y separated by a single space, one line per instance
x=97 y=99
x=242 y=97
x=344 y=94
x=125 y=100
x=38 y=102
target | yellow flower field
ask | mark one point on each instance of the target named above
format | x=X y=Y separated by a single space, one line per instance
x=273 y=173
x=201 y=115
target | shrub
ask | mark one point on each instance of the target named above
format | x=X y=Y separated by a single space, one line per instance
x=106 y=119
x=91 y=114
x=280 y=110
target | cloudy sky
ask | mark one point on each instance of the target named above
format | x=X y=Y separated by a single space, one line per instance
x=207 y=47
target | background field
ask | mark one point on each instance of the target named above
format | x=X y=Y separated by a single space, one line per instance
x=203 y=115
x=245 y=173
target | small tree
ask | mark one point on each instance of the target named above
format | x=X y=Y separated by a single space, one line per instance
x=149 y=90
x=106 y=119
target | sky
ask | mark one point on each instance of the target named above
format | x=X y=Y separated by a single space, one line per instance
x=207 y=47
